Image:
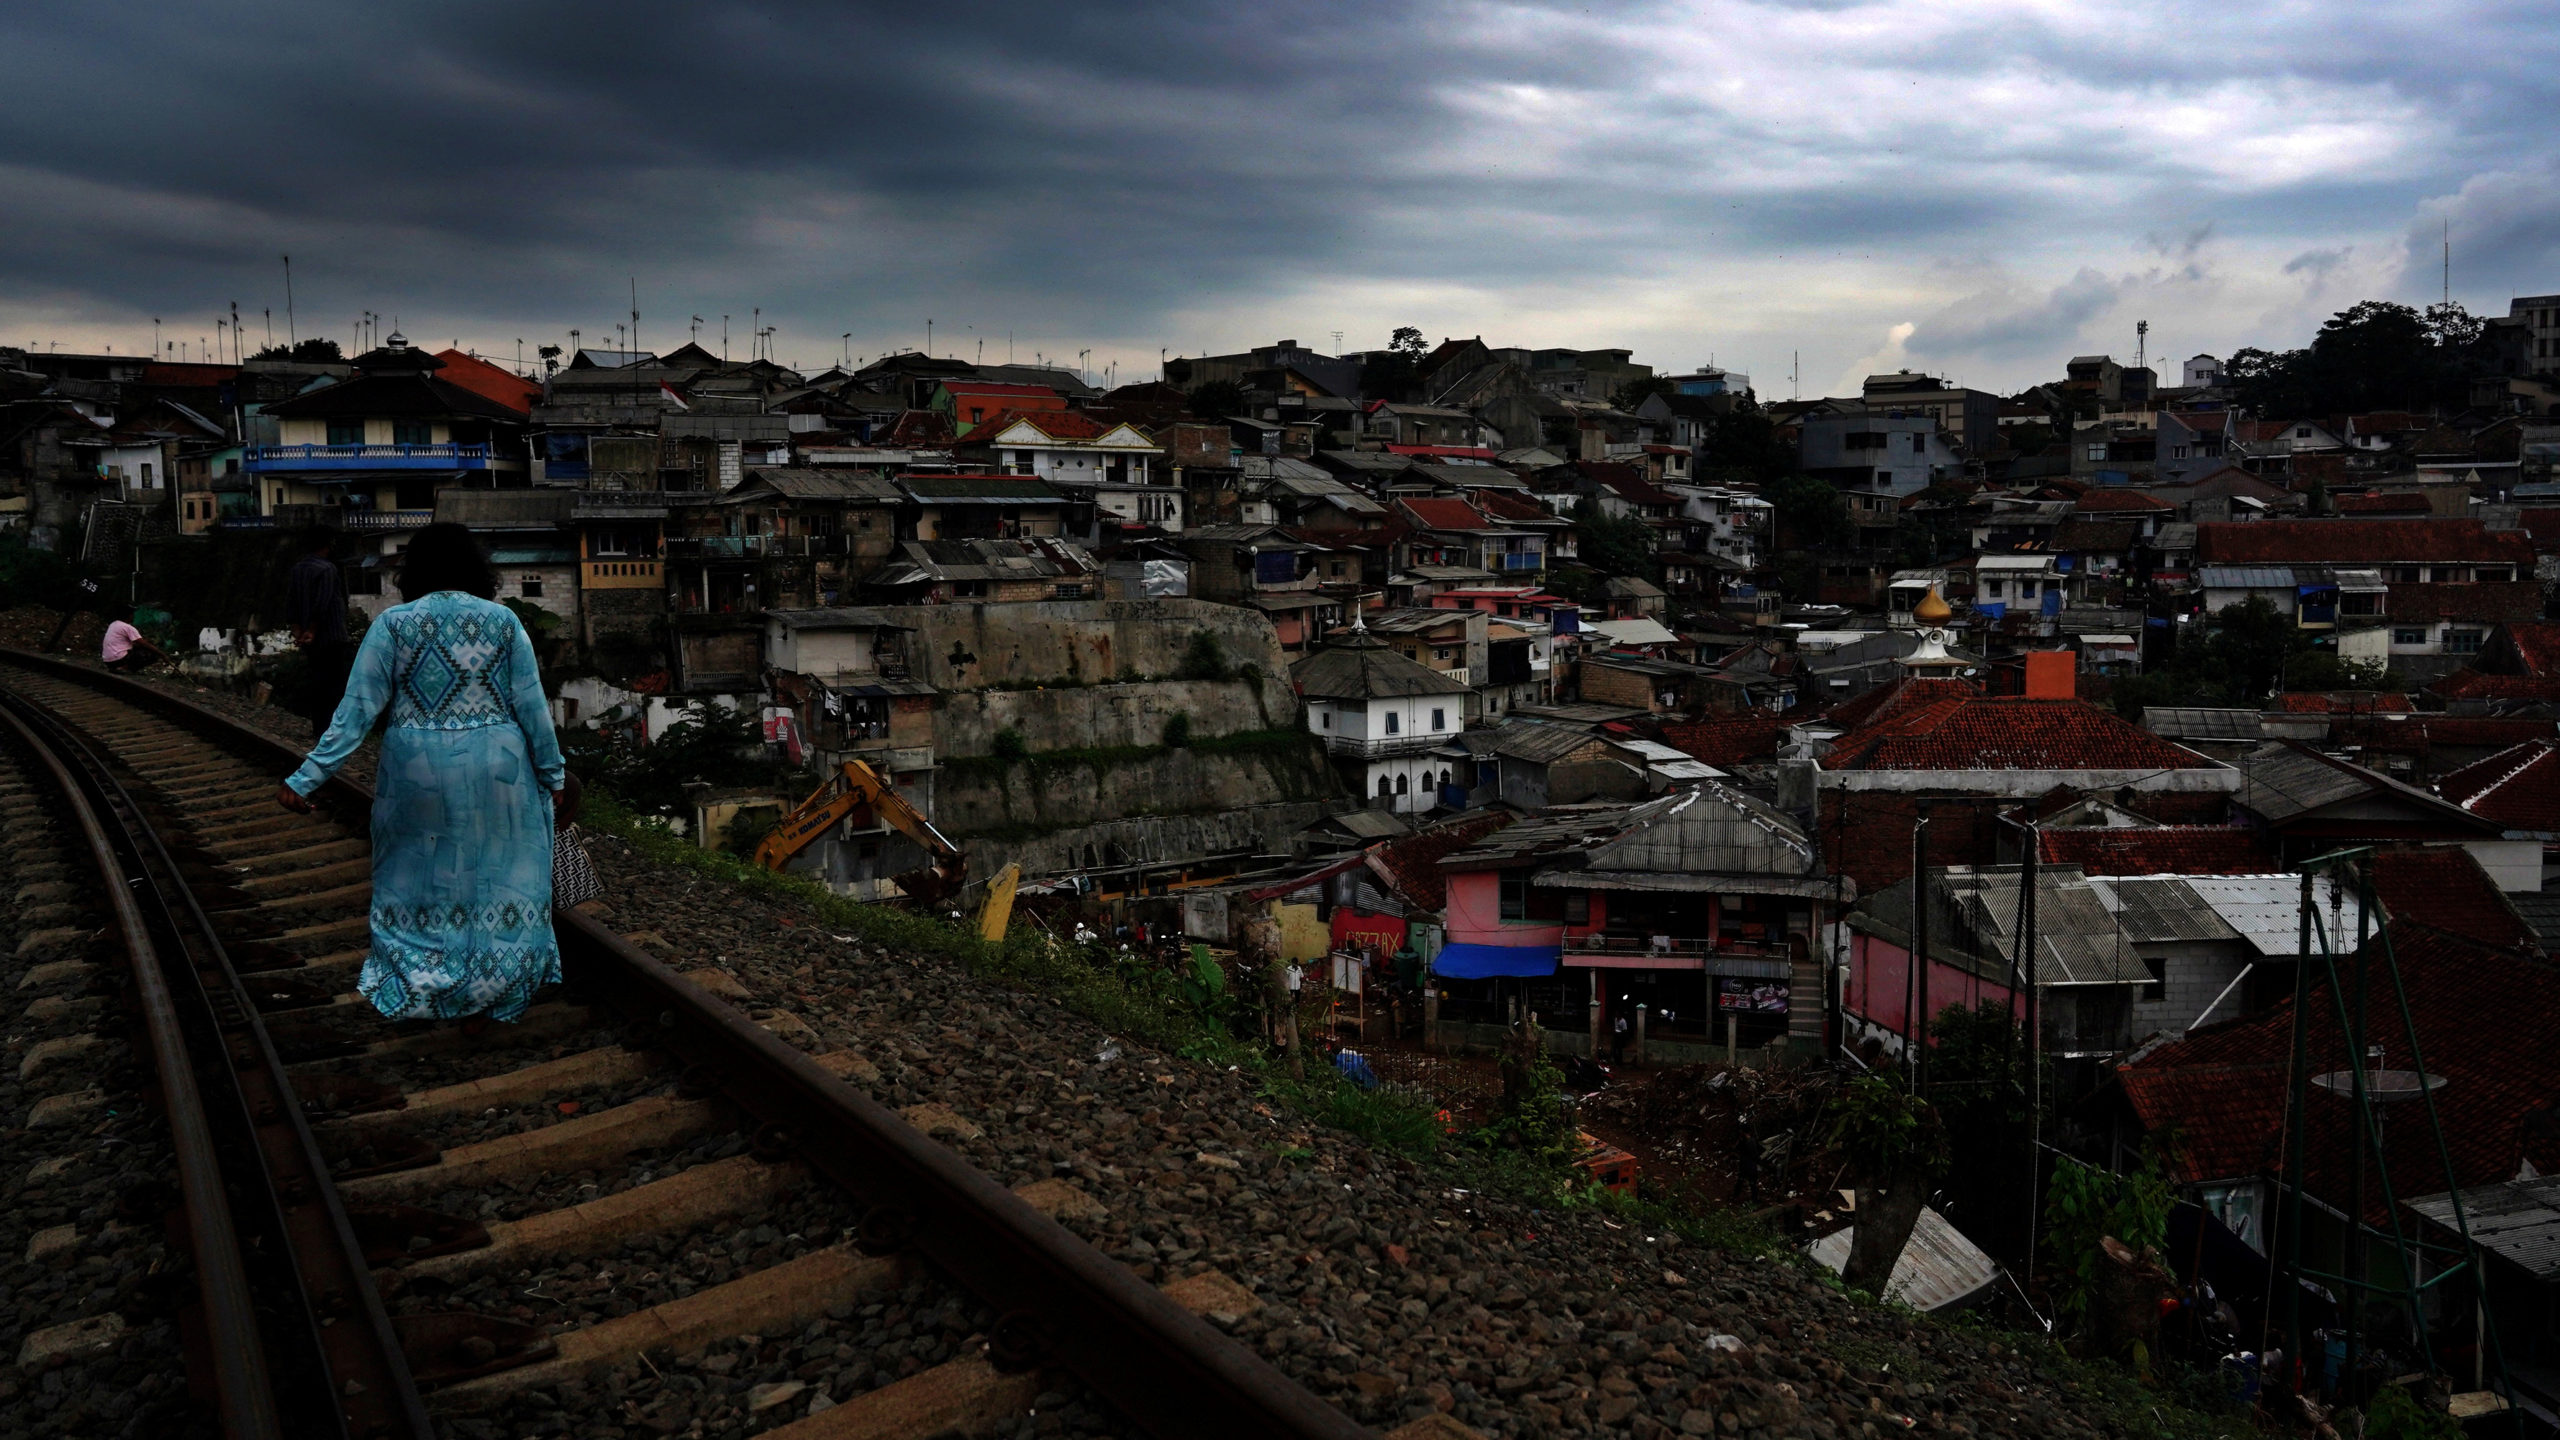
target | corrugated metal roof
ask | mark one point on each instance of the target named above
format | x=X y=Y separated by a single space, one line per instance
x=2244 y=577
x=2518 y=1220
x=2266 y=910
x=1937 y=1270
x=2190 y=722
x=2158 y=909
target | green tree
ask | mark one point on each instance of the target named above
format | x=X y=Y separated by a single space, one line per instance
x=2250 y=644
x=1614 y=544
x=2373 y=355
x=1395 y=373
x=1742 y=446
x=1634 y=393
x=1895 y=1144
x=1810 y=513
x=314 y=351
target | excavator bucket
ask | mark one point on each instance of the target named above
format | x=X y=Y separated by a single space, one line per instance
x=995 y=913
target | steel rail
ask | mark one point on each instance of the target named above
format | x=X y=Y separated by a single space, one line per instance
x=341 y=1333
x=242 y=1387
x=1057 y=1299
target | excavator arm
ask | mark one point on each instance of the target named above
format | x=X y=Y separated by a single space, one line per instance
x=853 y=786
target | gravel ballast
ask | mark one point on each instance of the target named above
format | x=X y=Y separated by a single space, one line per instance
x=1386 y=1286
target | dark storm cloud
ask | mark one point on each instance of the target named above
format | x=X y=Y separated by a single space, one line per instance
x=488 y=158
x=1121 y=170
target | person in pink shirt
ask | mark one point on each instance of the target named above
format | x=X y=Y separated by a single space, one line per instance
x=125 y=649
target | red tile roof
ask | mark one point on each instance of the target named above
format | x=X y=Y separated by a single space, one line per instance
x=2469 y=684
x=2343 y=702
x=1885 y=699
x=1733 y=740
x=2395 y=502
x=2484 y=1018
x=1443 y=513
x=2116 y=500
x=2006 y=733
x=921 y=429
x=2169 y=850
x=488 y=381
x=1499 y=506
x=2486 y=604
x=1056 y=424
x=2444 y=887
x=2359 y=542
x=2519 y=787
x=1411 y=866
x=2543 y=526
x=2537 y=645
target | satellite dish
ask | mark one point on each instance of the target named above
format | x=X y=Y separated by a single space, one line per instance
x=2382 y=1087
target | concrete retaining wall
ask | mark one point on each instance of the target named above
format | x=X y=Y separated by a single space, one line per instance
x=967 y=647
x=1101 y=716
x=1150 y=840
x=1029 y=798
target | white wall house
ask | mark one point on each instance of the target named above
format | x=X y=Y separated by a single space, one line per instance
x=1381 y=717
x=1115 y=465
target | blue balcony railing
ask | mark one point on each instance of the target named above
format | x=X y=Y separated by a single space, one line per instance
x=288 y=459
x=1525 y=560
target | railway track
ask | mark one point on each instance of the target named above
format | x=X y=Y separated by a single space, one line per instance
x=397 y=1228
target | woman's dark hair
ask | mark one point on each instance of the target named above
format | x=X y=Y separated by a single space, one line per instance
x=445 y=557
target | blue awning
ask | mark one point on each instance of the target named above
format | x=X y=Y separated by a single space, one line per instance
x=1484 y=962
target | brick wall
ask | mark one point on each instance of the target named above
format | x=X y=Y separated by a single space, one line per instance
x=1607 y=685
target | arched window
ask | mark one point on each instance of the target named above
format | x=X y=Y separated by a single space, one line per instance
x=1384 y=788
x=1403 y=783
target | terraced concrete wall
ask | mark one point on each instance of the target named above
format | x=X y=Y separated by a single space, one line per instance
x=1090 y=717
x=1023 y=801
x=1254 y=829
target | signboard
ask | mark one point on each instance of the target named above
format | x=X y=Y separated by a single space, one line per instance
x=1358 y=929
x=1756 y=997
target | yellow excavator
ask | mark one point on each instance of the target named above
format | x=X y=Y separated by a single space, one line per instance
x=853 y=788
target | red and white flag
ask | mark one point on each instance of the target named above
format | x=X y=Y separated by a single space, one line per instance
x=672 y=398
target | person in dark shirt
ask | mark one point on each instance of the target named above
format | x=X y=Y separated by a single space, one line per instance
x=315 y=605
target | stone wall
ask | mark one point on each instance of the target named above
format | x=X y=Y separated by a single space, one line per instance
x=1088 y=717
x=1016 y=802
x=969 y=647
x=1153 y=839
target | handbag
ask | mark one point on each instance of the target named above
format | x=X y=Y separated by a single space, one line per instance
x=573 y=875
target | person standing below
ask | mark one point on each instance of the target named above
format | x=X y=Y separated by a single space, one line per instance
x=463 y=793
x=315 y=605
x=123 y=647
x=1619 y=1029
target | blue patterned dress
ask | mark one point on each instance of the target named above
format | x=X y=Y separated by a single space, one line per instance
x=461 y=810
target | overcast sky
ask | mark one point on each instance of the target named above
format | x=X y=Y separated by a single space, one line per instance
x=1973 y=187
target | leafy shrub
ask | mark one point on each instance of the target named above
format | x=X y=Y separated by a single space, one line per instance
x=1010 y=746
x=2084 y=1205
x=1177 y=730
x=714 y=746
x=1202 y=659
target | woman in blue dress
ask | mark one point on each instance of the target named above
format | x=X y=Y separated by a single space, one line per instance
x=462 y=808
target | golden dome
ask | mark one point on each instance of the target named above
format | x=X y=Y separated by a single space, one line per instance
x=1931 y=610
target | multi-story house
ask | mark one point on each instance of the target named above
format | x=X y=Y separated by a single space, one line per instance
x=2422 y=594
x=1894 y=452
x=1448 y=531
x=383 y=440
x=1970 y=418
x=1108 y=465
x=1383 y=719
